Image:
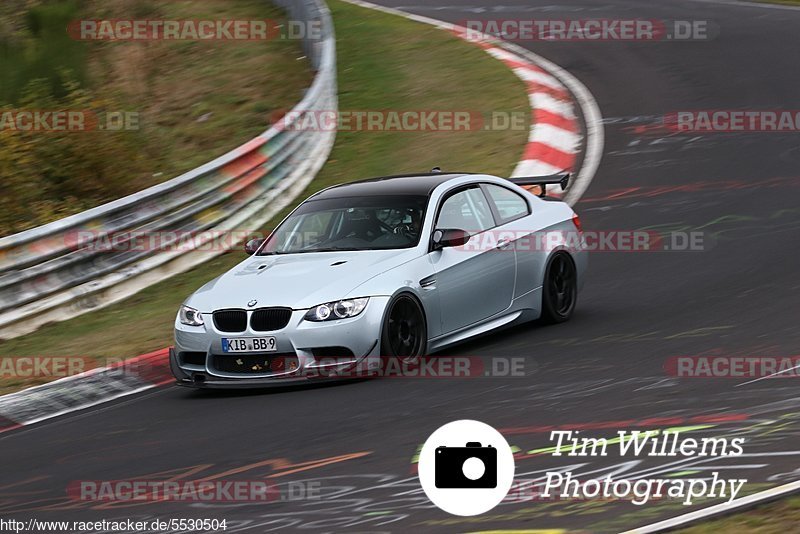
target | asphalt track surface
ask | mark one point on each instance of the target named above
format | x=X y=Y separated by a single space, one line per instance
x=740 y=296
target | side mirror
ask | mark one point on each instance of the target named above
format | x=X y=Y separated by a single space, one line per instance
x=252 y=246
x=449 y=237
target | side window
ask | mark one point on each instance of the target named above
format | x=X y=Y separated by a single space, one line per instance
x=510 y=205
x=466 y=210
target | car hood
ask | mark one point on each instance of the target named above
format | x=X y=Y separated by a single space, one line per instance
x=297 y=281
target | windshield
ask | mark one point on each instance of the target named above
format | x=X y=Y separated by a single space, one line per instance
x=350 y=223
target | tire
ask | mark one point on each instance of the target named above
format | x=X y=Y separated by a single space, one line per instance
x=560 y=289
x=405 y=333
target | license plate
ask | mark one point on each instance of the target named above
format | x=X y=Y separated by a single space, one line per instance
x=249 y=344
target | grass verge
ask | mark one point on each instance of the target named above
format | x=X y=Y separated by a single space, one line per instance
x=191 y=100
x=779 y=517
x=385 y=63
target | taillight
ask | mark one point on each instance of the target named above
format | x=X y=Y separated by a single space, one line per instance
x=577 y=222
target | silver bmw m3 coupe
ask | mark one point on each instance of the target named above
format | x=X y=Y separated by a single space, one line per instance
x=394 y=267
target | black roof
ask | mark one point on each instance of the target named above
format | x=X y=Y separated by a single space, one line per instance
x=402 y=184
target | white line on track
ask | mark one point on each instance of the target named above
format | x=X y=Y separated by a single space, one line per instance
x=718 y=509
x=80 y=412
x=768 y=376
x=89 y=404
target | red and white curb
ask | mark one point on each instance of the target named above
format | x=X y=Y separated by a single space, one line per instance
x=84 y=390
x=557 y=131
x=555 y=138
x=554 y=145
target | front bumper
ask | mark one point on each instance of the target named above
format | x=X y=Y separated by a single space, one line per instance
x=312 y=350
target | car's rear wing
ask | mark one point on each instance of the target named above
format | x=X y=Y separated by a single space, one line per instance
x=561 y=178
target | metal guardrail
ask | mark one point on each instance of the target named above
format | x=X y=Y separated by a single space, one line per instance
x=57 y=271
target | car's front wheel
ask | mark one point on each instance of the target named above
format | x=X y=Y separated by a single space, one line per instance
x=560 y=289
x=405 y=334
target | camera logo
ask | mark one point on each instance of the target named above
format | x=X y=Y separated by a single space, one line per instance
x=472 y=466
x=466 y=468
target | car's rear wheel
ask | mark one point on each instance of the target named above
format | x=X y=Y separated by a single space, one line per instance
x=560 y=289
x=405 y=334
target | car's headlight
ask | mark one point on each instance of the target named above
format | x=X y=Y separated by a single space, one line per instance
x=190 y=316
x=342 y=309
